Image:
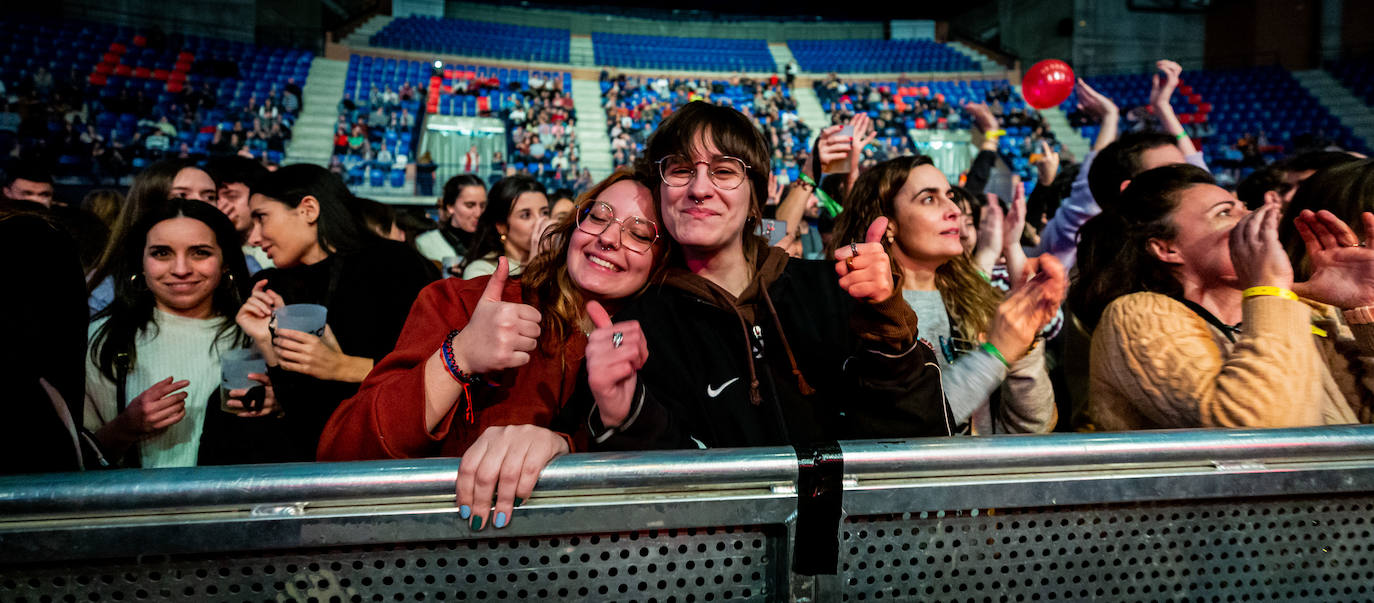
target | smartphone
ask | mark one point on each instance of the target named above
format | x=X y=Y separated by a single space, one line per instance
x=773 y=230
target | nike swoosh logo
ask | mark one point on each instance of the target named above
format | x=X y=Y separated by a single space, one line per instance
x=715 y=391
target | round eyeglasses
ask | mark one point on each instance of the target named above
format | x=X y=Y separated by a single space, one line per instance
x=636 y=234
x=725 y=172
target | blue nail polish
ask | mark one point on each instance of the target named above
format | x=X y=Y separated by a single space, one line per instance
x=501 y=519
x=476 y=524
x=465 y=511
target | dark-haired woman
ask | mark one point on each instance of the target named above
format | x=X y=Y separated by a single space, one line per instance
x=1198 y=322
x=179 y=280
x=740 y=345
x=158 y=182
x=516 y=210
x=479 y=372
x=465 y=198
x=304 y=218
x=983 y=341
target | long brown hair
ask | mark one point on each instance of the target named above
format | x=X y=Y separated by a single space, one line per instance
x=969 y=298
x=546 y=282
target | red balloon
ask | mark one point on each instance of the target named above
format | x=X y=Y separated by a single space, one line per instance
x=1047 y=83
x=921 y=123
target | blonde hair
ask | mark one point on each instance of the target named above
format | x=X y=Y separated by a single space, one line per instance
x=969 y=298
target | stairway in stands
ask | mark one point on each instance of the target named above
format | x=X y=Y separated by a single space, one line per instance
x=360 y=37
x=312 y=137
x=1340 y=102
x=782 y=55
x=594 y=144
x=810 y=111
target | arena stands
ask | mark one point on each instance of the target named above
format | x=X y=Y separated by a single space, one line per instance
x=379 y=116
x=878 y=56
x=1355 y=75
x=1241 y=116
x=117 y=99
x=666 y=52
x=635 y=105
x=475 y=38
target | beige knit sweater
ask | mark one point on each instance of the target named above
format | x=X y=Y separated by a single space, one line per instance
x=1156 y=364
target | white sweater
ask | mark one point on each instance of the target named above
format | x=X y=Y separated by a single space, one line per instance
x=173 y=346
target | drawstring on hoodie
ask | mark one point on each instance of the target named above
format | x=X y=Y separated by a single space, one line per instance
x=802 y=386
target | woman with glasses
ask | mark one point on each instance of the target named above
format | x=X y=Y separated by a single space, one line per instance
x=738 y=345
x=480 y=372
x=993 y=375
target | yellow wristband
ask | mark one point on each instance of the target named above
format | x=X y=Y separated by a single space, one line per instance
x=1274 y=291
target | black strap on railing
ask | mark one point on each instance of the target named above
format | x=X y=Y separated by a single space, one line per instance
x=820 y=492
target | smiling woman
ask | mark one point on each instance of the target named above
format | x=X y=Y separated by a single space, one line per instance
x=479 y=372
x=177 y=283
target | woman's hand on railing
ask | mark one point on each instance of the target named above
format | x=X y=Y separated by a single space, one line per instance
x=499 y=471
x=615 y=353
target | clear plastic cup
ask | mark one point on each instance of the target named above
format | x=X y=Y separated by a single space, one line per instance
x=235 y=366
x=307 y=318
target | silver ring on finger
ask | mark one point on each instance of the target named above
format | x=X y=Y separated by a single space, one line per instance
x=853 y=249
x=617 y=338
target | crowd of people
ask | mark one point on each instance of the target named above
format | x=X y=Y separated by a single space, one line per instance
x=543 y=134
x=636 y=105
x=64 y=121
x=689 y=300
x=375 y=132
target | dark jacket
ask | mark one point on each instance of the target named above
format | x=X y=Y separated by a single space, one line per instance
x=824 y=366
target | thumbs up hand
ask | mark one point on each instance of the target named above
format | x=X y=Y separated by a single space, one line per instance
x=864 y=268
x=499 y=335
x=615 y=353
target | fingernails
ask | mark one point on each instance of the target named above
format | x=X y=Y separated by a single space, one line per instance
x=476 y=524
x=500 y=519
x=465 y=511
x=519 y=501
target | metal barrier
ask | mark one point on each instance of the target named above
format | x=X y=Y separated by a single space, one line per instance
x=1187 y=515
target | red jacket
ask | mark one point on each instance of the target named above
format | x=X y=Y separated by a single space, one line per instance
x=386 y=419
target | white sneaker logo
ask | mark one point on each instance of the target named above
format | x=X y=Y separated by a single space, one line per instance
x=715 y=391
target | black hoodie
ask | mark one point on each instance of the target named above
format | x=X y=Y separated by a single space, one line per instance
x=793 y=361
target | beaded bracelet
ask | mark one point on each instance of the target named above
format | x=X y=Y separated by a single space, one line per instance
x=463 y=379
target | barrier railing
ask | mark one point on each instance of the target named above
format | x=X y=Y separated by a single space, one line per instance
x=1285 y=513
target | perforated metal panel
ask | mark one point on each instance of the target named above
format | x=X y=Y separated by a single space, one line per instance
x=1319 y=549
x=708 y=564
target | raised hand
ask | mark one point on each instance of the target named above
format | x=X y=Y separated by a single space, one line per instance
x=541 y=225
x=1342 y=268
x=865 y=269
x=1095 y=103
x=1031 y=306
x=1162 y=85
x=1256 y=254
x=308 y=354
x=503 y=465
x=991 y=229
x=256 y=313
x=982 y=116
x=499 y=335
x=615 y=353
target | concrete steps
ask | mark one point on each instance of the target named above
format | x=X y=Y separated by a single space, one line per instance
x=594 y=143
x=987 y=65
x=359 y=38
x=810 y=111
x=581 y=52
x=782 y=55
x=1338 y=99
x=312 y=138
x=1058 y=123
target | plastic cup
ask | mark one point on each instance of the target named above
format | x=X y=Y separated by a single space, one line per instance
x=307 y=318
x=449 y=262
x=235 y=366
